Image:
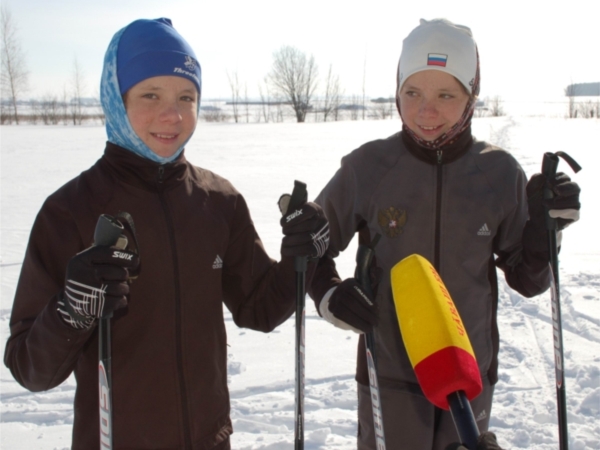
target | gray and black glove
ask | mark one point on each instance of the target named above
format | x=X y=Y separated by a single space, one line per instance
x=486 y=441
x=349 y=307
x=96 y=284
x=563 y=206
x=306 y=231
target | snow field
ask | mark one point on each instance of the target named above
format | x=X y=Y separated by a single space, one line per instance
x=262 y=161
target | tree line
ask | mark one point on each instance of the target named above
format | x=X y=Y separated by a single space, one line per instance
x=14 y=77
x=291 y=86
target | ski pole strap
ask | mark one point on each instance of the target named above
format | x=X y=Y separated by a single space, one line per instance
x=550 y=163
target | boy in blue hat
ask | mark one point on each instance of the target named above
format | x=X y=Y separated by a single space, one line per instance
x=199 y=250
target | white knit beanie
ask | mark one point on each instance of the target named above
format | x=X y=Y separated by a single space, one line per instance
x=440 y=45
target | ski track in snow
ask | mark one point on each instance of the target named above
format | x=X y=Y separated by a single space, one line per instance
x=261 y=366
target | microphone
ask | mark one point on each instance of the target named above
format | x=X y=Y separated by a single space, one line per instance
x=437 y=343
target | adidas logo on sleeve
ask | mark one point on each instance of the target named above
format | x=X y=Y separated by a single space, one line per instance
x=484 y=231
x=482 y=416
x=218 y=264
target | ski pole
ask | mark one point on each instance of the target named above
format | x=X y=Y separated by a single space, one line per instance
x=463 y=418
x=364 y=257
x=109 y=232
x=549 y=166
x=289 y=204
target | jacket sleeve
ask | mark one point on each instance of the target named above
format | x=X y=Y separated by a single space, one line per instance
x=525 y=270
x=42 y=351
x=340 y=204
x=259 y=292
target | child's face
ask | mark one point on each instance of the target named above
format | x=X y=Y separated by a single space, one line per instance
x=163 y=112
x=431 y=102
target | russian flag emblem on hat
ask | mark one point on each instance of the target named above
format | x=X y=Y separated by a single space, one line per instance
x=436 y=59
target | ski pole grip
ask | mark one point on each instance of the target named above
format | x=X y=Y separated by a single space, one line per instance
x=108 y=230
x=549 y=166
x=287 y=204
x=107 y=233
x=364 y=257
x=299 y=196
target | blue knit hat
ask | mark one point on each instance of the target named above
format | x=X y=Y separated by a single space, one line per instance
x=152 y=48
x=146 y=48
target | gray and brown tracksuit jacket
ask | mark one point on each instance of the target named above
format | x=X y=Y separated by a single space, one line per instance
x=464 y=211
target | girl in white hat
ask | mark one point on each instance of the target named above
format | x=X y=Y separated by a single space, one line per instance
x=432 y=189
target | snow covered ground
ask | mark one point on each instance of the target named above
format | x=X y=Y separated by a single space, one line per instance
x=262 y=160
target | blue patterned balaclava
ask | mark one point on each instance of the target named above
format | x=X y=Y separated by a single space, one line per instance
x=141 y=50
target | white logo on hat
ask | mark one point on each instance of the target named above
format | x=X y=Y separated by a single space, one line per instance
x=190 y=63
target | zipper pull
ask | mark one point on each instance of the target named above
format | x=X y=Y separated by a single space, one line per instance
x=161 y=173
x=439 y=156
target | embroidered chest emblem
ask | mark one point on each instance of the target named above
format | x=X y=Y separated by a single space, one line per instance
x=392 y=221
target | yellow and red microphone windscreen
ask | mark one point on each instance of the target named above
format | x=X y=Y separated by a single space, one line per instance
x=433 y=333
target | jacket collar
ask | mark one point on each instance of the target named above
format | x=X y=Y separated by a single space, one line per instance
x=135 y=170
x=447 y=154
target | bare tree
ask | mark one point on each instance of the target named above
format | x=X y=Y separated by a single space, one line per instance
x=212 y=113
x=234 y=84
x=14 y=75
x=278 y=109
x=50 y=110
x=35 y=111
x=246 y=103
x=383 y=108
x=65 y=106
x=354 y=107
x=265 y=100
x=570 y=92
x=364 y=81
x=77 y=92
x=496 y=107
x=99 y=111
x=588 y=109
x=5 y=112
x=333 y=96
x=294 y=77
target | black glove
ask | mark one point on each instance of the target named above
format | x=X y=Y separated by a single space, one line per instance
x=564 y=207
x=306 y=231
x=351 y=305
x=485 y=441
x=96 y=284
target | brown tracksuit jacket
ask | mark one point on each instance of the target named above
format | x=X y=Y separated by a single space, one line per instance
x=198 y=250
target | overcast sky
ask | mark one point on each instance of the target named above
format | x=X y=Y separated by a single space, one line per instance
x=527 y=47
